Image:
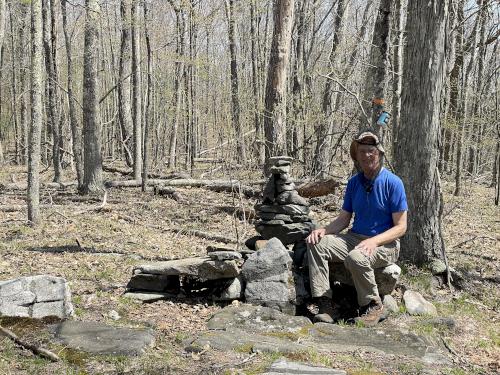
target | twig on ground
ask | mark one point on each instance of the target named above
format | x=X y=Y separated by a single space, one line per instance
x=472 y=239
x=39 y=351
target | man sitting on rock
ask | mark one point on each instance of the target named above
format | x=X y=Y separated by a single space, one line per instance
x=377 y=199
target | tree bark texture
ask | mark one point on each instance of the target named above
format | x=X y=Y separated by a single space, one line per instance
x=136 y=91
x=76 y=133
x=92 y=178
x=416 y=154
x=33 y=191
x=275 y=103
x=149 y=94
x=235 y=101
x=376 y=75
x=124 y=109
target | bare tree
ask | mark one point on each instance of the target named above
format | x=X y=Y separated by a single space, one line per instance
x=33 y=193
x=136 y=91
x=235 y=113
x=2 y=32
x=92 y=177
x=76 y=133
x=416 y=155
x=275 y=111
x=124 y=109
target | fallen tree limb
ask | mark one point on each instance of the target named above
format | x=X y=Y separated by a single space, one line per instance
x=170 y=193
x=129 y=171
x=48 y=185
x=215 y=185
x=37 y=350
x=318 y=188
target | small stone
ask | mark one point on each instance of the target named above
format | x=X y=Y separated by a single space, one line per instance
x=291 y=197
x=270 y=222
x=232 y=292
x=390 y=304
x=272 y=216
x=225 y=255
x=289 y=209
x=113 y=314
x=442 y=322
x=279 y=170
x=274 y=160
x=148 y=297
x=437 y=267
x=418 y=305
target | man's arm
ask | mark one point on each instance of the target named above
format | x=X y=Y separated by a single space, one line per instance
x=399 y=220
x=335 y=227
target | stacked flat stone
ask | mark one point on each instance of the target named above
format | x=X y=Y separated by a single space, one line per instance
x=283 y=213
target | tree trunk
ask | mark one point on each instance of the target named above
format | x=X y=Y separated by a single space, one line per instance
x=92 y=178
x=259 y=142
x=2 y=33
x=51 y=83
x=397 y=65
x=13 y=86
x=33 y=191
x=376 y=76
x=275 y=107
x=136 y=91
x=179 y=75
x=417 y=155
x=147 y=114
x=124 y=110
x=76 y=133
x=325 y=129
x=235 y=101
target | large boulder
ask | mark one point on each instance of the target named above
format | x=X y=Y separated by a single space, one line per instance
x=269 y=281
x=36 y=297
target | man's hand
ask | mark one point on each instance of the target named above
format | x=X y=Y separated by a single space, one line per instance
x=367 y=247
x=315 y=236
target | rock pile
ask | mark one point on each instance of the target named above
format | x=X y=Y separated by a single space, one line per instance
x=36 y=297
x=283 y=213
x=263 y=277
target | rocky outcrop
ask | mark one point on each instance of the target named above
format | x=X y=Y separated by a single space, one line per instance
x=36 y=297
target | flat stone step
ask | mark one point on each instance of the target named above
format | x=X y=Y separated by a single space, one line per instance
x=98 y=338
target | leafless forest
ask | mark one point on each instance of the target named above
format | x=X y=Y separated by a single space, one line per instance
x=186 y=81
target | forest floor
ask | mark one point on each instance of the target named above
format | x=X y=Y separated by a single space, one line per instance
x=135 y=226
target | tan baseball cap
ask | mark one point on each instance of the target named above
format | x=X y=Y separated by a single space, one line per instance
x=365 y=138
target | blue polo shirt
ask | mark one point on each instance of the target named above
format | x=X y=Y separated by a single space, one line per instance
x=374 y=201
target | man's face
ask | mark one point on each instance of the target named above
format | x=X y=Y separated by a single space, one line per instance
x=368 y=157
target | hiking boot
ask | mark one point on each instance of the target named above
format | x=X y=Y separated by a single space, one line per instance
x=371 y=314
x=327 y=313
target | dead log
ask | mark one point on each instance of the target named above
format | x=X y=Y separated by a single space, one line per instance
x=49 y=185
x=215 y=185
x=318 y=188
x=128 y=172
x=37 y=350
x=170 y=193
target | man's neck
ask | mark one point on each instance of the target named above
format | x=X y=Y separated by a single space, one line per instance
x=372 y=173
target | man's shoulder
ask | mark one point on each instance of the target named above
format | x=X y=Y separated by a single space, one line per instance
x=388 y=175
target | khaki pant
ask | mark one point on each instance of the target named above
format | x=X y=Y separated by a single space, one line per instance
x=340 y=248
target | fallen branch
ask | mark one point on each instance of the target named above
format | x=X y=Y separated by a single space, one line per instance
x=472 y=239
x=37 y=350
x=170 y=193
x=215 y=185
x=318 y=188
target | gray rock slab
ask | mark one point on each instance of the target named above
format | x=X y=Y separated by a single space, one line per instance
x=288 y=209
x=271 y=260
x=36 y=296
x=225 y=255
x=287 y=233
x=98 y=338
x=291 y=197
x=153 y=283
x=233 y=291
x=272 y=216
x=416 y=304
x=283 y=366
x=148 y=296
x=279 y=169
x=265 y=292
x=257 y=319
x=285 y=186
x=203 y=267
x=237 y=339
x=390 y=304
x=380 y=340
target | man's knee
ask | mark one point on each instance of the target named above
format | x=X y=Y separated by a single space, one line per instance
x=356 y=259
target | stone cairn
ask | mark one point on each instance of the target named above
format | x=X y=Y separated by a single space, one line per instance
x=266 y=273
x=283 y=213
